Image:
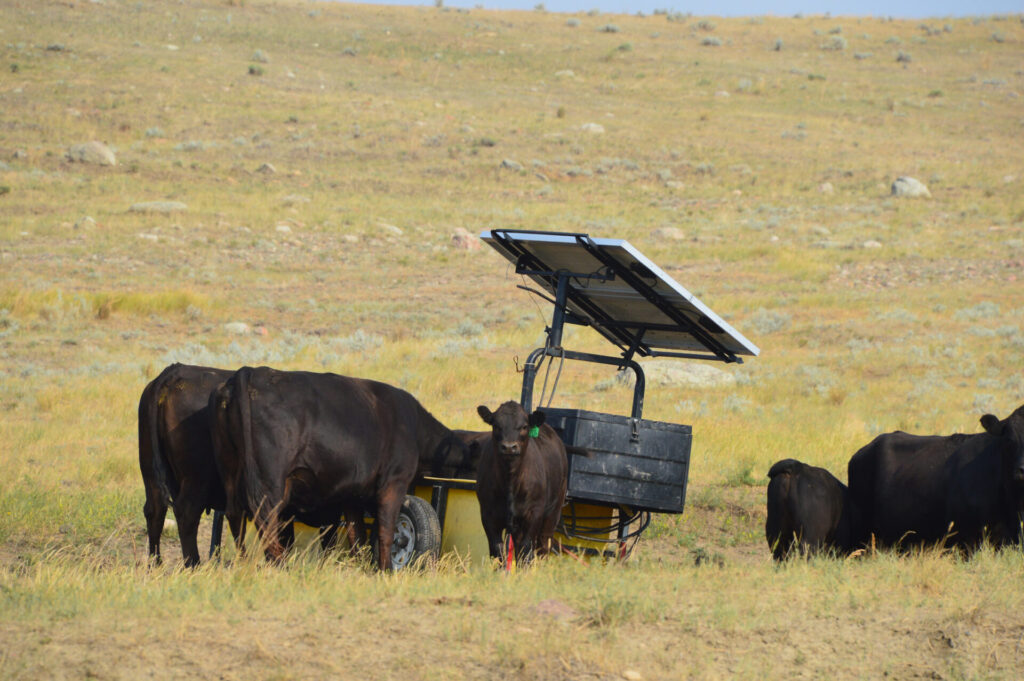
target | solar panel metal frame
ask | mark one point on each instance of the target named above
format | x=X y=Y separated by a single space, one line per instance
x=682 y=325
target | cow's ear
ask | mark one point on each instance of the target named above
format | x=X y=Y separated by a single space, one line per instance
x=536 y=419
x=992 y=424
x=485 y=414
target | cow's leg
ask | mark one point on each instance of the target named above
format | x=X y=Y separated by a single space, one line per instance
x=267 y=523
x=286 y=535
x=155 y=511
x=356 y=528
x=493 y=526
x=355 y=532
x=389 y=503
x=546 y=538
x=237 y=524
x=278 y=533
x=524 y=546
x=187 y=513
x=329 y=538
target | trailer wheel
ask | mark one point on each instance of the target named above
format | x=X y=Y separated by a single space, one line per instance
x=417 y=533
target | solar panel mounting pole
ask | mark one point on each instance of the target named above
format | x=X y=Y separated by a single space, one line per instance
x=558 y=318
x=553 y=348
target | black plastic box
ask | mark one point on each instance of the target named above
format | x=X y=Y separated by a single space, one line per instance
x=636 y=463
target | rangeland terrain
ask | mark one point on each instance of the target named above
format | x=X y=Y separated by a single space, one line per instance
x=287 y=180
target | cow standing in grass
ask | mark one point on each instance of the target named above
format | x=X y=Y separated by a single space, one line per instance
x=309 y=446
x=953 y=489
x=809 y=511
x=522 y=480
x=176 y=454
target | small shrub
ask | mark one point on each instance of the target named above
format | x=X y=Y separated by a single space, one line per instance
x=711 y=41
x=835 y=43
x=572 y=22
x=7 y=325
x=360 y=341
x=468 y=329
x=608 y=28
x=769 y=321
x=255 y=70
x=983 y=310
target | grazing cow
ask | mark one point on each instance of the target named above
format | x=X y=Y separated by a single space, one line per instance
x=312 y=446
x=521 y=480
x=176 y=453
x=986 y=490
x=809 y=511
x=914 y=489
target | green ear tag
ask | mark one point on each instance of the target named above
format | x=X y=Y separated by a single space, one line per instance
x=535 y=431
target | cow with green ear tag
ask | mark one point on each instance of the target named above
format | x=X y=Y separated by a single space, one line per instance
x=521 y=481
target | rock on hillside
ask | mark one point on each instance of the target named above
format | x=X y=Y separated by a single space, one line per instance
x=96 y=153
x=909 y=187
x=464 y=241
x=158 y=207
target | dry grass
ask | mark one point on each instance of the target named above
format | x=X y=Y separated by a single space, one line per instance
x=387 y=128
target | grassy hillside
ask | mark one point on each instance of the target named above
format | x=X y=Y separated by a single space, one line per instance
x=312 y=162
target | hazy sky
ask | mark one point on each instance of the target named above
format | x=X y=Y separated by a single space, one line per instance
x=887 y=8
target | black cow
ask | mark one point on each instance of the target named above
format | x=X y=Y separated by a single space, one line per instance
x=809 y=511
x=986 y=484
x=176 y=453
x=955 y=489
x=312 y=446
x=521 y=481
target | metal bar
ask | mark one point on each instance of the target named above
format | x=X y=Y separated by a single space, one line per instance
x=558 y=316
x=439 y=500
x=529 y=376
x=691 y=355
x=705 y=338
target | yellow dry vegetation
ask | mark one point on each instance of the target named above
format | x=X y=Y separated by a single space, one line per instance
x=289 y=177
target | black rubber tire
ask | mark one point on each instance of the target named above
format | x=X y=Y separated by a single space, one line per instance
x=417 y=534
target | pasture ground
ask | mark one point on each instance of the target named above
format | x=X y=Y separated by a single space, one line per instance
x=313 y=160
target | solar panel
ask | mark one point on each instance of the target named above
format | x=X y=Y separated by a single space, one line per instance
x=615 y=289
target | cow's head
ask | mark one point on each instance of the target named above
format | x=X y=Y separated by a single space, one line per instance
x=1010 y=431
x=511 y=428
x=457 y=455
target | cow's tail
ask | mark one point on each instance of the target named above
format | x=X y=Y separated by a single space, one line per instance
x=162 y=474
x=253 y=494
x=223 y=408
x=778 y=525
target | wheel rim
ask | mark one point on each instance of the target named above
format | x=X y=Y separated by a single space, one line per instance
x=404 y=548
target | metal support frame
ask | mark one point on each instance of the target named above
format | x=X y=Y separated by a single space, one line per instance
x=527 y=264
x=536 y=357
